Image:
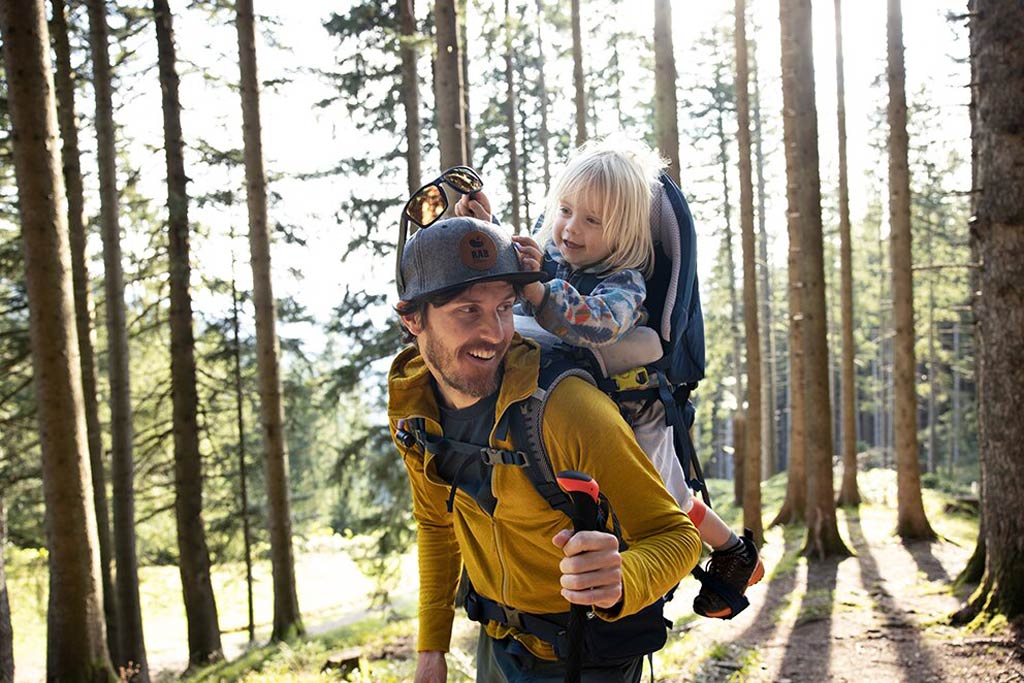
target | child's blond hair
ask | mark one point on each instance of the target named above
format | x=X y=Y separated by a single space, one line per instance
x=616 y=175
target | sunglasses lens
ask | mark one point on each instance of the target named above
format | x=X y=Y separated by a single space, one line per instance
x=426 y=206
x=464 y=180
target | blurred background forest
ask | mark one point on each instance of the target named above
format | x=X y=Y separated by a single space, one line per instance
x=185 y=346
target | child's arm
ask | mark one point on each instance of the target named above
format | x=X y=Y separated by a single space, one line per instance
x=530 y=259
x=612 y=309
x=474 y=205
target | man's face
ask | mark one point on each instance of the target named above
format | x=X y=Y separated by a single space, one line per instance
x=464 y=341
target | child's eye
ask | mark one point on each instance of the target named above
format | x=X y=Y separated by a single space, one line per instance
x=564 y=210
x=593 y=220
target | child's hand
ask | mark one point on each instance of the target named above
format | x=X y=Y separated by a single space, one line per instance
x=475 y=206
x=530 y=255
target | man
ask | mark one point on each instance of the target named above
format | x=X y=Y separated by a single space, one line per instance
x=465 y=369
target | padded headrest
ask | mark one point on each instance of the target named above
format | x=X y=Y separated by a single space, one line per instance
x=665 y=230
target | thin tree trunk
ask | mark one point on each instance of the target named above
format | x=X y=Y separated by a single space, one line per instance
x=131 y=645
x=287 y=619
x=666 y=124
x=769 y=389
x=194 y=557
x=954 y=446
x=67 y=118
x=510 y=123
x=933 y=375
x=544 y=134
x=451 y=116
x=803 y=191
x=911 y=520
x=997 y=66
x=6 y=631
x=577 y=76
x=467 y=121
x=410 y=93
x=752 y=485
x=525 y=161
x=243 y=477
x=76 y=640
x=848 y=493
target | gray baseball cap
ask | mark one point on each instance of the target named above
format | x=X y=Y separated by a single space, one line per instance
x=456 y=252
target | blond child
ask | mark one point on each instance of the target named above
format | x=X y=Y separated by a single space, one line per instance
x=598 y=248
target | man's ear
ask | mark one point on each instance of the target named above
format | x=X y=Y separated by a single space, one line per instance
x=413 y=323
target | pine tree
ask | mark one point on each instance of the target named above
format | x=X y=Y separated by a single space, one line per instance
x=76 y=639
x=579 y=83
x=448 y=86
x=200 y=608
x=911 y=520
x=410 y=91
x=6 y=632
x=803 y=190
x=666 y=123
x=287 y=619
x=131 y=647
x=67 y=119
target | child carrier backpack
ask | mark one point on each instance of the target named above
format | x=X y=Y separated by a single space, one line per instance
x=663 y=360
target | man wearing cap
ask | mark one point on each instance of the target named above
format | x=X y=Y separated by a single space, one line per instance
x=464 y=369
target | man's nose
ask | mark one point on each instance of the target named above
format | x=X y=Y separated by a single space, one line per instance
x=492 y=328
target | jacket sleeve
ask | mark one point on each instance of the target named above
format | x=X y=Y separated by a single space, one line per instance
x=600 y=318
x=440 y=562
x=663 y=544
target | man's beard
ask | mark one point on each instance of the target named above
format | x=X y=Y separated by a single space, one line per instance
x=444 y=360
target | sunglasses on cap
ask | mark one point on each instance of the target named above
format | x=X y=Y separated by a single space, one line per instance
x=429 y=203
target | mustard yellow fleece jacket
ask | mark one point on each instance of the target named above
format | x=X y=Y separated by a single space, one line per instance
x=510 y=557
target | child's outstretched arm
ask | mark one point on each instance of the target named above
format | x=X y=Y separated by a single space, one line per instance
x=613 y=308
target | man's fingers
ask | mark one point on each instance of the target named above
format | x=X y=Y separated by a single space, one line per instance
x=606 y=597
x=611 y=576
x=586 y=541
x=561 y=538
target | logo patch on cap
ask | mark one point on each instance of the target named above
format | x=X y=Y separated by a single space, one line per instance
x=478 y=251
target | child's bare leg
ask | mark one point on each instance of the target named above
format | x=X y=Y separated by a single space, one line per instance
x=712 y=529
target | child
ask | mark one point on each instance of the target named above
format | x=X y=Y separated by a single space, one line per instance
x=598 y=248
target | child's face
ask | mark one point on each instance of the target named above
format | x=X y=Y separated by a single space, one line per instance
x=579 y=233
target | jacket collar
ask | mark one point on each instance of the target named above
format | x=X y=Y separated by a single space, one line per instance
x=411 y=391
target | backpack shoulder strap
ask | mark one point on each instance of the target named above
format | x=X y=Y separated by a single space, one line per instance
x=526 y=428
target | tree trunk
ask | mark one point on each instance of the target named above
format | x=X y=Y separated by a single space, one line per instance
x=848 y=493
x=6 y=631
x=131 y=647
x=76 y=638
x=510 y=124
x=803 y=192
x=933 y=375
x=451 y=117
x=67 y=118
x=287 y=619
x=194 y=558
x=577 y=76
x=543 y=94
x=243 y=476
x=467 y=121
x=997 y=50
x=911 y=520
x=752 y=464
x=666 y=124
x=769 y=389
x=410 y=93
x=739 y=456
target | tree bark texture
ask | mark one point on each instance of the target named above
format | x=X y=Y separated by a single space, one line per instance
x=76 y=639
x=911 y=522
x=803 y=193
x=752 y=459
x=997 y=49
x=666 y=107
x=410 y=93
x=6 y=631
x=131 y=648
x=287 y=619
x=848 y=493
x=577 y=75
x=451 y=119
x=194 y=558
x=467 y=120
x=72 y=167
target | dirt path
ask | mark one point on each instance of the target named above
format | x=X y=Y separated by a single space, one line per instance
x=877 y=616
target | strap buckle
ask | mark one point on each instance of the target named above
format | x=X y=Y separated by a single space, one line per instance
x=513 y=617
x=500 y=456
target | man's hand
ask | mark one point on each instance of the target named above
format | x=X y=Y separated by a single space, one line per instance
x=475 y=206
x=530 y=259
x=431 y=667
x=591 y=569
